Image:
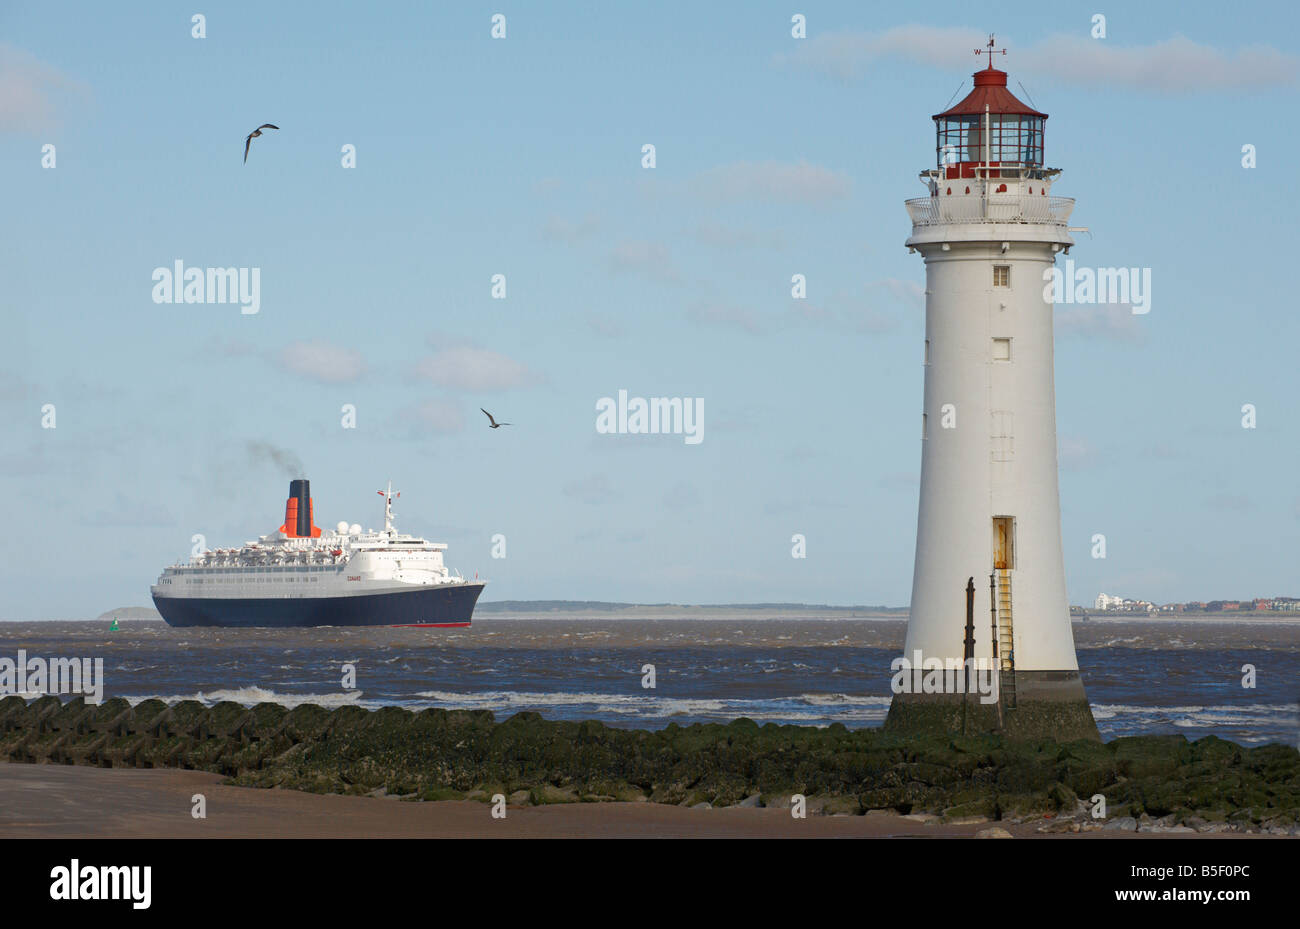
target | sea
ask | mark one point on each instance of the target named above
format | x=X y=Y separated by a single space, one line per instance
x=1142 y=676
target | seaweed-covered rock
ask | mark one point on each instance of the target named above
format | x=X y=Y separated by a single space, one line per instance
x=434 y=754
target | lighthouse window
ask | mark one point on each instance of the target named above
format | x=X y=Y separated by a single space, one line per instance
x=1001 y=349
x=1002 y=275
x=1006 y=138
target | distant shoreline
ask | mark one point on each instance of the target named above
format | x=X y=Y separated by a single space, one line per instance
x=542 y=610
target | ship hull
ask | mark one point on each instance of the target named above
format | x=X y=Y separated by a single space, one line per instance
x=416 y=606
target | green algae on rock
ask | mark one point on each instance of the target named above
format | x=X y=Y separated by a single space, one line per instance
x=439 y=754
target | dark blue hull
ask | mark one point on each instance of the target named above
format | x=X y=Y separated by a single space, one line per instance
x=418 y=606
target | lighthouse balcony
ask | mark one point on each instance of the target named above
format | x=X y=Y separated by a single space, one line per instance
x=995 y=208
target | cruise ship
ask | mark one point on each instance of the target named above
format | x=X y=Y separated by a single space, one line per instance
x=302 y=575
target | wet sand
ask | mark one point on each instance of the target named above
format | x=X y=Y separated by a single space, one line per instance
x=57 y=801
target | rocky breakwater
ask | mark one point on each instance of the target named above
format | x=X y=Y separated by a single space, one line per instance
x=1150 y=783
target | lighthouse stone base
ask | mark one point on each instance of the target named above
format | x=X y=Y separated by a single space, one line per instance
x=1049 y=705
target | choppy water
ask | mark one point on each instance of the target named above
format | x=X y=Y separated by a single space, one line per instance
x=1142 y=677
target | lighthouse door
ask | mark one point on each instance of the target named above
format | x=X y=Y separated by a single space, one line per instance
x=1004 y=542
x=1004 y=561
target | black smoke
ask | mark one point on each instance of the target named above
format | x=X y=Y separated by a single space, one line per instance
x=260 y=453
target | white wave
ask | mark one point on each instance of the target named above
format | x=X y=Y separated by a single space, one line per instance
x=1270 y=708
x=648 y=706
x=622 y=703
x=515 y=697
x=1206 y=720
x=844 y=699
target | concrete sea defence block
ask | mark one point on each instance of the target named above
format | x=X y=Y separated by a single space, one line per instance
x=444 y=754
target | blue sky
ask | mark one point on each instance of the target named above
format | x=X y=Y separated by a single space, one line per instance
x=522 y=156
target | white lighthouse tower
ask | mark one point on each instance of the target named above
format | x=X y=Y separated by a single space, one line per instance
x=988 y=230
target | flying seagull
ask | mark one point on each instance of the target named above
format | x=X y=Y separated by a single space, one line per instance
x=253 y=135
x=495 y=424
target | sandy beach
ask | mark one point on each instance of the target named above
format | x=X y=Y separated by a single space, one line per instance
x=59 y=801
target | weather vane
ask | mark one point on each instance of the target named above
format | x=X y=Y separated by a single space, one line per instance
x=991 y=50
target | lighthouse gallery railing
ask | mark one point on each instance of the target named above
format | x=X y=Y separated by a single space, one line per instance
x=1002 y=208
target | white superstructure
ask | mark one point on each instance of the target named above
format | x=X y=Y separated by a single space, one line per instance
x=330 y=563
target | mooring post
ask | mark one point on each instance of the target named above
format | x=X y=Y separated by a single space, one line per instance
x=968 y=653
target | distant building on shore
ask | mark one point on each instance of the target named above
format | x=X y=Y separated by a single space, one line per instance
x=1109 y=604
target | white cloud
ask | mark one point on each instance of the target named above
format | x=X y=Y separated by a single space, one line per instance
x=465 y=367
x=847 y=55
x=774 y=181
x=31 y=92
x=1173 y=65
x=323 y=362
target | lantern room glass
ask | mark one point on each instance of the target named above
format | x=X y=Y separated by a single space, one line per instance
x=1013 y=139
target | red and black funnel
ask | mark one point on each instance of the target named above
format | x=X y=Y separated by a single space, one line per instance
x=299 y=521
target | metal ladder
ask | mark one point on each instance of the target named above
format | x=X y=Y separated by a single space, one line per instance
x=1006 y=639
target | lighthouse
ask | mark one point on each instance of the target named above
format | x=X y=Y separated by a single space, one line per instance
x=989 y=231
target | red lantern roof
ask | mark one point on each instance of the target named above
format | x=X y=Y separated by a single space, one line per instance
x=991 y=90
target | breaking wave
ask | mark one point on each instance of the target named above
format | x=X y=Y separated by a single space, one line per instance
x=250 y=696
